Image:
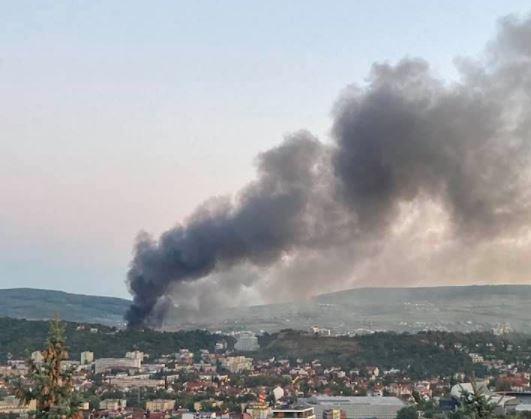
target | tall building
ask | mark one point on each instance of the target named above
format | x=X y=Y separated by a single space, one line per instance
x=87 y=357
x=247 y=342
x=37 y=357
x=135 y=355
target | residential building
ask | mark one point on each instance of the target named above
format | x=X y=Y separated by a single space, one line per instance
x=294 y=412
x=236 y=364
x=108 y=364
x=247 y=342
x=135 y=355
x=10 y=405
x=113 y=404
x=160 y=405
x=87 y=357
x=37 y=357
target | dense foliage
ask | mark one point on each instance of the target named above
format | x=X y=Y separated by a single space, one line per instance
x=422 y=355
x=18 y=338
x=425 y=354
x=50 y=385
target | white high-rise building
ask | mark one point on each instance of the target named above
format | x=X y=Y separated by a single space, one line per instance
x=37 y=357
x=87 y=357
x=135 y=355
x=247 y=342
x=236 y=364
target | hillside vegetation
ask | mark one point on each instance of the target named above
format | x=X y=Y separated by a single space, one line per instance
x=422 y=354
x=455 y=308
x=36 y=304
x=18 y=338
x=465 y=308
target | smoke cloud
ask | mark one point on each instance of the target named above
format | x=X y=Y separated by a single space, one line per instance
x=424 y=181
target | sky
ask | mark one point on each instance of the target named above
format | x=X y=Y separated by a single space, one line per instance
x=118 y=117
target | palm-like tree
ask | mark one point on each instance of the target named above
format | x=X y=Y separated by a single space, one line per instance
x=48 y=382
x=475 y=404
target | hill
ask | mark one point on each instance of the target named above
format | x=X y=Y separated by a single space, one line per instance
x=422 y=354
x=18 y=338
x=455 y=308
x=37 y=304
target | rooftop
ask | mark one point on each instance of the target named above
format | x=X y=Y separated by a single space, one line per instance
x=365 y=400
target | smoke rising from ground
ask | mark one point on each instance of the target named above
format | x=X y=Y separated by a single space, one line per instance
x=424 y=181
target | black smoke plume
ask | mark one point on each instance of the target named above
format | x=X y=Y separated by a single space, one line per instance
x=403 y=141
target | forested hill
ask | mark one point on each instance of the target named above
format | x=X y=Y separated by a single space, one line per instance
x=422 y=355
x=37 y=304
x=18 y=338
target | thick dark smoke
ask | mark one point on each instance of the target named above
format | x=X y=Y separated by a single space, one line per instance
x=267 y=220
x=440 y=168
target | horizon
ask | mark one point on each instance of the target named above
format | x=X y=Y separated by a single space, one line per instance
x=284 y=302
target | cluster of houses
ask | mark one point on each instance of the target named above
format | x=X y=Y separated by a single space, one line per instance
x=226 y=385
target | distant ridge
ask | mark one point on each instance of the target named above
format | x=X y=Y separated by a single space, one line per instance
x=452 y=308
x=464 y=308
x=41 y=304
x=430 y=293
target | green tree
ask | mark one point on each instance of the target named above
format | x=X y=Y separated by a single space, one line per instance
x=475 y=405
x=49 y=383
x=426 y=407
x=407 y=412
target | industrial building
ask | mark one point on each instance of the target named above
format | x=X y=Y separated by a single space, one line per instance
x=356 y=407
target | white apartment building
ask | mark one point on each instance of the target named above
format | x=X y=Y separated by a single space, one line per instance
x=87 y=357
x=237 y=364
x=107 y=364
x=247 y=342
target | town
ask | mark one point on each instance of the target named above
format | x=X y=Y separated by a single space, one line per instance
x=235 y=378
x=265 y=209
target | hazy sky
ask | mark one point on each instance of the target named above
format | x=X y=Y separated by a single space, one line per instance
x=122 y=116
